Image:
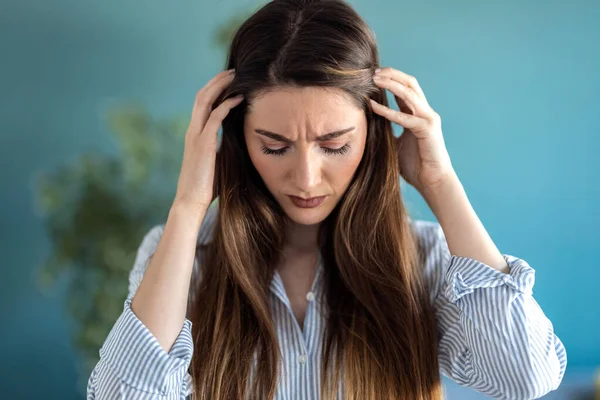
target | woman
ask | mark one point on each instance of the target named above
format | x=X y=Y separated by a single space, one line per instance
x=307 y=261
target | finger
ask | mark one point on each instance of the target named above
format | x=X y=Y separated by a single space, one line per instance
x=404 y=78
x=218 y=115
x=218 y=80
x=403 y=106
x=405 y=120
x=205 y=98
x=218 y=76
x=411 y=99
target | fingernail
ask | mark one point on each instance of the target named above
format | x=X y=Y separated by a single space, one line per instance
x=378 y=70
x=232 y=71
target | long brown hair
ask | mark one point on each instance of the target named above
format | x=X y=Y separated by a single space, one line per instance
x=380 y=333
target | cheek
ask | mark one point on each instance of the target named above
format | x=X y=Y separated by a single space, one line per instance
x=342 y=169
x=266 y=168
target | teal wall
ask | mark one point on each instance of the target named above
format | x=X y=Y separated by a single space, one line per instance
x=516 y=83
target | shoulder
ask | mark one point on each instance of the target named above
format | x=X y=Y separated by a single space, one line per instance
x=434 y=252
x=152 y=237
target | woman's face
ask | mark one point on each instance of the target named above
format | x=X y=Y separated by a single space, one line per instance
x=283 y=131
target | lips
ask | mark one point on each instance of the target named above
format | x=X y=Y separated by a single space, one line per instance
x=307 y=203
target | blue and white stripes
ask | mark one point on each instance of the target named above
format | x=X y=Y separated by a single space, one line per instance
x=134 y=365
x=494 y=337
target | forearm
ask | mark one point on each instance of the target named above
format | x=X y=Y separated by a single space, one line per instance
x=161 y=299
x=464 y=232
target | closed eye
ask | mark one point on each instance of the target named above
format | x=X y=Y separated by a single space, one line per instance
x=327 y=150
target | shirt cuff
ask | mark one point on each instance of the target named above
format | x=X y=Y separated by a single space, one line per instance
x=136 y=357
x=464 y=275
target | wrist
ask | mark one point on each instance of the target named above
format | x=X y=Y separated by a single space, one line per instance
x=443 y=188
x=194 y=214
x=448 y=202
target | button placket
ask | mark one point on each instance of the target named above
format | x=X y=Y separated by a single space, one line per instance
x=302 y=359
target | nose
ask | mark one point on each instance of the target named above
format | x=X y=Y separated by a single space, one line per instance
x=307 y=172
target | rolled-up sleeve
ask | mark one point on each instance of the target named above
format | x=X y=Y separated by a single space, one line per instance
x=493 y=335
x=132 y=363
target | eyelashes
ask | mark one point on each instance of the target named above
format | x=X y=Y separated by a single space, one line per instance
x=279 y=152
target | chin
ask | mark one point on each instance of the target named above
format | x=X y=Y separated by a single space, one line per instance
x=307 y=218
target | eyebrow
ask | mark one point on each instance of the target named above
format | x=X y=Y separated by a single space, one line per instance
x=322 y=138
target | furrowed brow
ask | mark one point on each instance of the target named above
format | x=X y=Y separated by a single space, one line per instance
x=322 y=138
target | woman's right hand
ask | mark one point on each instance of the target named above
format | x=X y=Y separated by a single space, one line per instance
x=195 y=184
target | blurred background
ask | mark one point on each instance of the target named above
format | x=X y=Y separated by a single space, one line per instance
x=95 y=97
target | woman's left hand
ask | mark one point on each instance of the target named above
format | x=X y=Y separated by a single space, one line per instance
x=423 y=158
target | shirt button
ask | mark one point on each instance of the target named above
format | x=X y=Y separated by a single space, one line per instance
x=310 y=296
x=302 y=359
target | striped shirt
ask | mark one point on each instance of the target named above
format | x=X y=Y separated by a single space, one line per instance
x=494 y=337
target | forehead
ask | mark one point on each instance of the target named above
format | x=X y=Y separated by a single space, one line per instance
x=298 y=104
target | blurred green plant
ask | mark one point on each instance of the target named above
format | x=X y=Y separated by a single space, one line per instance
x=97 y=209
